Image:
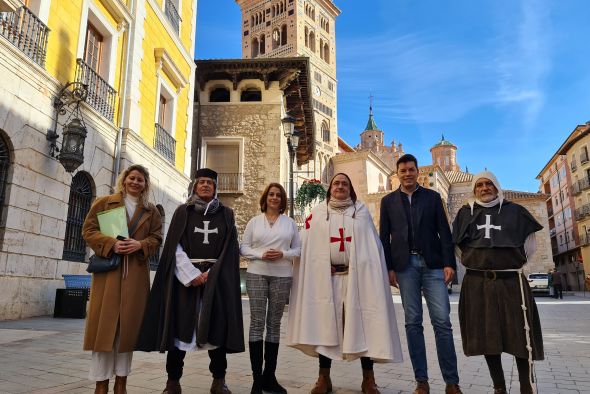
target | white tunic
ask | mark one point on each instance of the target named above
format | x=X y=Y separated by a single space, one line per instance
x=319 y=300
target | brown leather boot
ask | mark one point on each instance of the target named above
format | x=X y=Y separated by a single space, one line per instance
x=219 y=387
x=369 y=386
x=172 y=387
x=422 y=387
x=500 y=390
x=324 y=383
x=453 y=389
x=120 y=385
x=102 y=387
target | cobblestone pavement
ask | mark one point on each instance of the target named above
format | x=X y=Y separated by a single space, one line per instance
x=44 y=355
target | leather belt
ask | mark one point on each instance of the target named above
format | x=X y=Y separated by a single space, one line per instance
x=493 y=275
x=203 y=265
x=340 y=269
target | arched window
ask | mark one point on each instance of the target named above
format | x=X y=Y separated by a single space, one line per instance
x=252 y=21
x=255 y=47
x=306 y=33
x=284 y=35
x=262 y=44
x=325 y=132
x=276 y=38
x=219 y=95
x=312 y=41
x=327 y=53
x=79 y=205
x=156 y=258
x=251 y=94
x=4 y=165
x=321 y=49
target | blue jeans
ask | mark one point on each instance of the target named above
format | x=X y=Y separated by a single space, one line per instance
x=417 y=278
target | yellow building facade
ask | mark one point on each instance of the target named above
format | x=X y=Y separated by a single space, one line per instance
x=133 y=61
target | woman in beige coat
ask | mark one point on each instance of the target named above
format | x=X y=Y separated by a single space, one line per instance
x=118 y=297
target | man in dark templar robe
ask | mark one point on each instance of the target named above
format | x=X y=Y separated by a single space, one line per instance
x=497 y=311
x=195 y=302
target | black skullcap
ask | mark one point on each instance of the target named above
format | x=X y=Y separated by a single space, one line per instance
x=207 y=173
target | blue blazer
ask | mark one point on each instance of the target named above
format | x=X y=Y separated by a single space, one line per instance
x=432 y=230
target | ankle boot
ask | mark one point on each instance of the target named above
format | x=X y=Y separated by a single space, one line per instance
x=269 y=380
x=500 y=390
x=120 y=385
x=324 y=383
x=369 y=386
x=102 y=387
x=219 y=387
x=256 y=359
x=172 y=387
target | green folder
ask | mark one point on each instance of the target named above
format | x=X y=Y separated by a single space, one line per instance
x=113 y=222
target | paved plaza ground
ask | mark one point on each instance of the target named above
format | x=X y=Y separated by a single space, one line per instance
x=44 y=355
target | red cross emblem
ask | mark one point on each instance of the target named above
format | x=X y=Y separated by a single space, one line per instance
x=341 y=239
x=307 y=222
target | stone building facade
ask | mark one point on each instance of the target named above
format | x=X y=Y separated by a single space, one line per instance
x=302 y=28
x=139 y=54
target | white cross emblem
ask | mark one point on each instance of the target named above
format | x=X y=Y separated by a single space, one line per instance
x=488 y=226
x=205 y=231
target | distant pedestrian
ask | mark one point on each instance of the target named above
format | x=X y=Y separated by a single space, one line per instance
x=557 y=284
x=270 y=242
x=497 y=311
x=118 y=297
x=420 y=258
x=550 y=283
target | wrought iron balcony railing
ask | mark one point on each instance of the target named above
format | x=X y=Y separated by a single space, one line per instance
x=101 y=95
x=165 y=144
x=25 y=31
x=172 y=14
x=581 y=185
x=583 y=211
x=230 y=182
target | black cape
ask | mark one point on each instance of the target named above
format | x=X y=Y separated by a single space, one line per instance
x=220 y=321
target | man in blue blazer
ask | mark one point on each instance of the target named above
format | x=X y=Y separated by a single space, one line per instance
x=420 y=259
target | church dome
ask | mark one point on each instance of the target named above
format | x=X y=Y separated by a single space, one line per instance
x=444 y=142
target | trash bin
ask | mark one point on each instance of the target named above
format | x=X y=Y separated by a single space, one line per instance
x=71 y=301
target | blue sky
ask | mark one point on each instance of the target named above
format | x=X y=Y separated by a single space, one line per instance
x=504 y=80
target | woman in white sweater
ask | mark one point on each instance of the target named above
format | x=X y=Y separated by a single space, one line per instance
x=270 y=242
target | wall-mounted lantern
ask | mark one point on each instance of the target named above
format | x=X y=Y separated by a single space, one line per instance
x=71 y=155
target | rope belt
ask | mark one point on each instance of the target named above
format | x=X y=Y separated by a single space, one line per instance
x=510 y=273
x=340 y=269
x=203 y=265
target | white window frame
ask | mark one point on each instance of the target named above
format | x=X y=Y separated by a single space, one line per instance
x=164 y=89
x=90 y=12
x=41 y=9
x=240 y=141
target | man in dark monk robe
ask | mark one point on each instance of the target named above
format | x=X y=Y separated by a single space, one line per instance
x=195 y=302
x=497 y=311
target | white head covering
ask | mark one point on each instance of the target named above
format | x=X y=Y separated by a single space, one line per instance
x=498 y=200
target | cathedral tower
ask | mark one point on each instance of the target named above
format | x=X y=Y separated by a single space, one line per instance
x=293 y=28
x=444 y=154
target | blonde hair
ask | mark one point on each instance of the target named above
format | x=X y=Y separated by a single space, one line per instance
x=144 y=196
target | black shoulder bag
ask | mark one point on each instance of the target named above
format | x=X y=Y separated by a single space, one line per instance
x=98 y=264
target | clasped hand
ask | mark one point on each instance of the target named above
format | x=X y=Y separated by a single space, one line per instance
x=200 y=280
x=272 y=255
x=127 y=246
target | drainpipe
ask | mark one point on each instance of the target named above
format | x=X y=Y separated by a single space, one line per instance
x=124 y=106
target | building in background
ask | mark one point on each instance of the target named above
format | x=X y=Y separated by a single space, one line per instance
x=566 y=177
x=302 y=28
x=135 y=59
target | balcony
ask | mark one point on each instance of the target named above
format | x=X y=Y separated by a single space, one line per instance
x=583 y=157
x=582 y=212
x=25 y=31
x=230 y=182
x=585 y=239
x=573 y=166
x=101 y=95
x=165 y=144
x=581 y=185
x=172 y=15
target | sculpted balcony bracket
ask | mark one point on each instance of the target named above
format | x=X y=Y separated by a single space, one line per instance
x=74 y=132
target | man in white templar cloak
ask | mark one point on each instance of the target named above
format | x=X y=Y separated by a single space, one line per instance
x=341 y=306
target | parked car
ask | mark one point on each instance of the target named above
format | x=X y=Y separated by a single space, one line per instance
x=539 y=283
